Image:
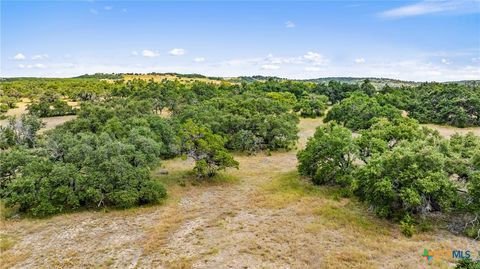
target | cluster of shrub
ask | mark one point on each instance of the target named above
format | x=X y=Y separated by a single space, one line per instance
x=402 y=170
x=103 y=158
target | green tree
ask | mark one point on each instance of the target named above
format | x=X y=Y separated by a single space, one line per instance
x=21 y=131
x=385 y=135
x=312 y=105
x=368 y=88
x=360 y=111
x=329 y=155
x=411 y=178
x=206 y=148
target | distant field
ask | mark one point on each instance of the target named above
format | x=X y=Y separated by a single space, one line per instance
x=160 y=77
x=447 y=131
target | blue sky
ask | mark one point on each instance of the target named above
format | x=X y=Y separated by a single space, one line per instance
x=411 y=40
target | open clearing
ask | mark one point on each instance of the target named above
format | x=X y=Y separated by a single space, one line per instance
x=50 y=122
x=261 y=216
x=447 y=131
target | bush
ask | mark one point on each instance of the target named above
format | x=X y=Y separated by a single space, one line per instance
x=384 y=135
x=311 y=106
x=328 y=156
x=406 y=226
x=21 y=131
x=206 y=148
x=100 y=159
x=467 y=264
x=152 y=191
x=409 y=179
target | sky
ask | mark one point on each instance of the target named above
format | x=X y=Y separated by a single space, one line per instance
x=408 y=40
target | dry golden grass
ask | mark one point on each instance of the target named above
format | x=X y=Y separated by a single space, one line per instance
x=8 y=260
x=352 y=236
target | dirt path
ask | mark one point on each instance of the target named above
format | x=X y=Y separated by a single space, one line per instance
x=265 y=219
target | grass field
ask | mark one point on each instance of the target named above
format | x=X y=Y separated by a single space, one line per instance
x=261 y=216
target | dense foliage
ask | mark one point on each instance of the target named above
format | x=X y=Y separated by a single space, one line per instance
x=249 y=123
x=102 y=158
x=402 y=170
x=450 y=104
x=328 y=157
x=359 y=111
x=411 y=178
x=206 y=149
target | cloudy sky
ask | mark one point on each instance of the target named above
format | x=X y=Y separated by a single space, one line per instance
x=411 y=40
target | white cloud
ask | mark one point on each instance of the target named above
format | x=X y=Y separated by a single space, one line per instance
x=315 y=58
x=312 y=68
x=177 y=52
x=199 y=59
x=476 y=59
x=39 y=56
x=93 y=11
x=290 y=24
x=359 y=60
x=149 y=53
x=39 y=66
x=30 y=66
x=445 y=61
x=19 y=56
x=270 y=67
x=134 y=52
x=433 y=7
x=108 y=7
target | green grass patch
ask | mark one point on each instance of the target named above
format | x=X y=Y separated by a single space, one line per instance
x=333 y=206
x=293 y=185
